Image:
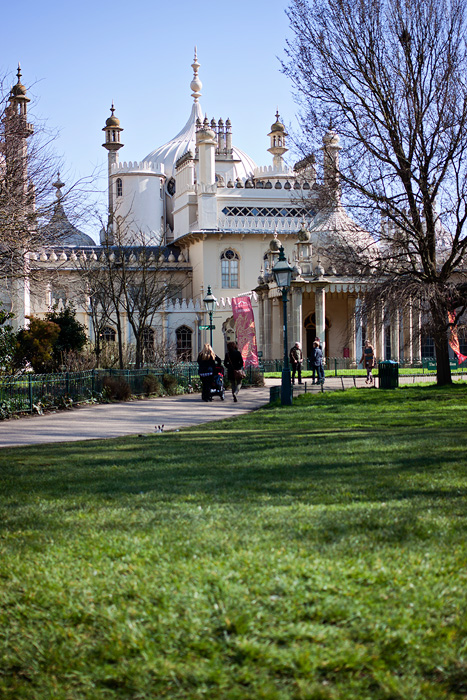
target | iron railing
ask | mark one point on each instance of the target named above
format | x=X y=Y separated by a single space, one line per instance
x=23 y=394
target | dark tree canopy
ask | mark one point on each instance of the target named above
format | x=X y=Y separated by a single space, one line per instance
x=391 y=77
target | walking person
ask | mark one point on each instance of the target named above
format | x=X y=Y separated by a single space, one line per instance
x=318 y=362
x=296 y=360
x=234 y=364
x=368 y=361
x=207 y=363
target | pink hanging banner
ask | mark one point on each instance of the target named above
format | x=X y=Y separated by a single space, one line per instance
x=245 y=330
x=454 y=339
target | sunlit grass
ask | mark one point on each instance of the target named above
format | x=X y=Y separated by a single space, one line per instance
x=310 y=552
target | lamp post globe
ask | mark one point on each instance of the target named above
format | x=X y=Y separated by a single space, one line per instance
x=210 y=303
x=282 y=272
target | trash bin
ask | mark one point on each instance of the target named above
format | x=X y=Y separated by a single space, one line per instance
x=274 y=393
x=388 y=374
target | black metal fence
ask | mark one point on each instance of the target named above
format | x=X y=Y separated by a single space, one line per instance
x=23 y=394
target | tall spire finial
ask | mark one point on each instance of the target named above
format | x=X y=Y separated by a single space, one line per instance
x=196 y=84
x=58 y=184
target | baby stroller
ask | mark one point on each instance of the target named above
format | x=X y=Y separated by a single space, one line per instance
x=217 y=384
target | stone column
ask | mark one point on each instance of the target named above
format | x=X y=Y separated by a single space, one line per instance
x=417 y=332
x=260 y=325
x=358 y=330
x=379 y=349
x=352 y=329
x=296 y=315
x=408 y=335
x=320 y=315
x=267 y=327
x=395 y=331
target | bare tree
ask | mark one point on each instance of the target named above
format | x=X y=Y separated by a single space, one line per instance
x=130 y=281
x=390 y=75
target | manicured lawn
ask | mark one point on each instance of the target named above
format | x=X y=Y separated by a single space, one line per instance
x=313 y=553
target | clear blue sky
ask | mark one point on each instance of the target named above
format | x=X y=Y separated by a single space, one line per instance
x=78 y=57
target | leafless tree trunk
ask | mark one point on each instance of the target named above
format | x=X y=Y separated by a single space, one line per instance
x=391 y=78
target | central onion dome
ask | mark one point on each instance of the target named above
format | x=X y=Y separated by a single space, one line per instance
x=168 y=154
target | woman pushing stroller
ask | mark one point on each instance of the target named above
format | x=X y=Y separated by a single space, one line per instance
x=209 y=369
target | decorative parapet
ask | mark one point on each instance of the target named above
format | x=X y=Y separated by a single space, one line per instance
x=269 y=224
x=136 y=168
x=59 y=255
x=271 y=170
x=183 y=305
x=187 y=305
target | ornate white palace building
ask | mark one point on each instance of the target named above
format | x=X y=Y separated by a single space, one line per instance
x=217 y=219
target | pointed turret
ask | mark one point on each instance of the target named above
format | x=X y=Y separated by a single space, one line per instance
x=331 y=147
x=17 y=131
x=112 y=144
x=278 y=147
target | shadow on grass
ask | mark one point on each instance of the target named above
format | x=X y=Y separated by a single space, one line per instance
x=327 y=449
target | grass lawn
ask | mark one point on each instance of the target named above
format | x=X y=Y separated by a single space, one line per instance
x=311 y=553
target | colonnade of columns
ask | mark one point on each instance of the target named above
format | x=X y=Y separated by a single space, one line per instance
x=396 y=337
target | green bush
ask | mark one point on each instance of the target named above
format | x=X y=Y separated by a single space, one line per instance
x=116 y=388
x=257 y=377
x=151 y=385
x=170 y=384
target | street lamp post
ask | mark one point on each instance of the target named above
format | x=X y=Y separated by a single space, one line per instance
x=282 y=272
x=210 y=302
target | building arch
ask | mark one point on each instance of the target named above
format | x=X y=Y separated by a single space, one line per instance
x=310 y=328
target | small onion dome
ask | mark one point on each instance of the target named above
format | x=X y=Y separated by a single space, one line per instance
x=277 y=126
x=18 y=90
x=303 y=235
x=319 y=269
x=331 y=138
x=112 y=120
x=275 y=245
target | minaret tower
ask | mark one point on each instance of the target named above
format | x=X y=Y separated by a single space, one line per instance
x=113 y=144
x=278 y=147
x=331 y=147
x=17 y=131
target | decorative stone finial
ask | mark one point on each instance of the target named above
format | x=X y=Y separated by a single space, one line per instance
x=58 y=184
x=196 y=85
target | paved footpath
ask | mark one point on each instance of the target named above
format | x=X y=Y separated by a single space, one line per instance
x=100 y=421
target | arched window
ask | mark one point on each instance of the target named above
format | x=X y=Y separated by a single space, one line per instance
x=119 y=187
x=229 y=269
x=184 y=337
x=108 y=335
x=148 y=339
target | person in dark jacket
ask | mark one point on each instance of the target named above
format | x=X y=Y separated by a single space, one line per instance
x=207 y=363
x=318 y=361
x=234 y=363
x=296 y=359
